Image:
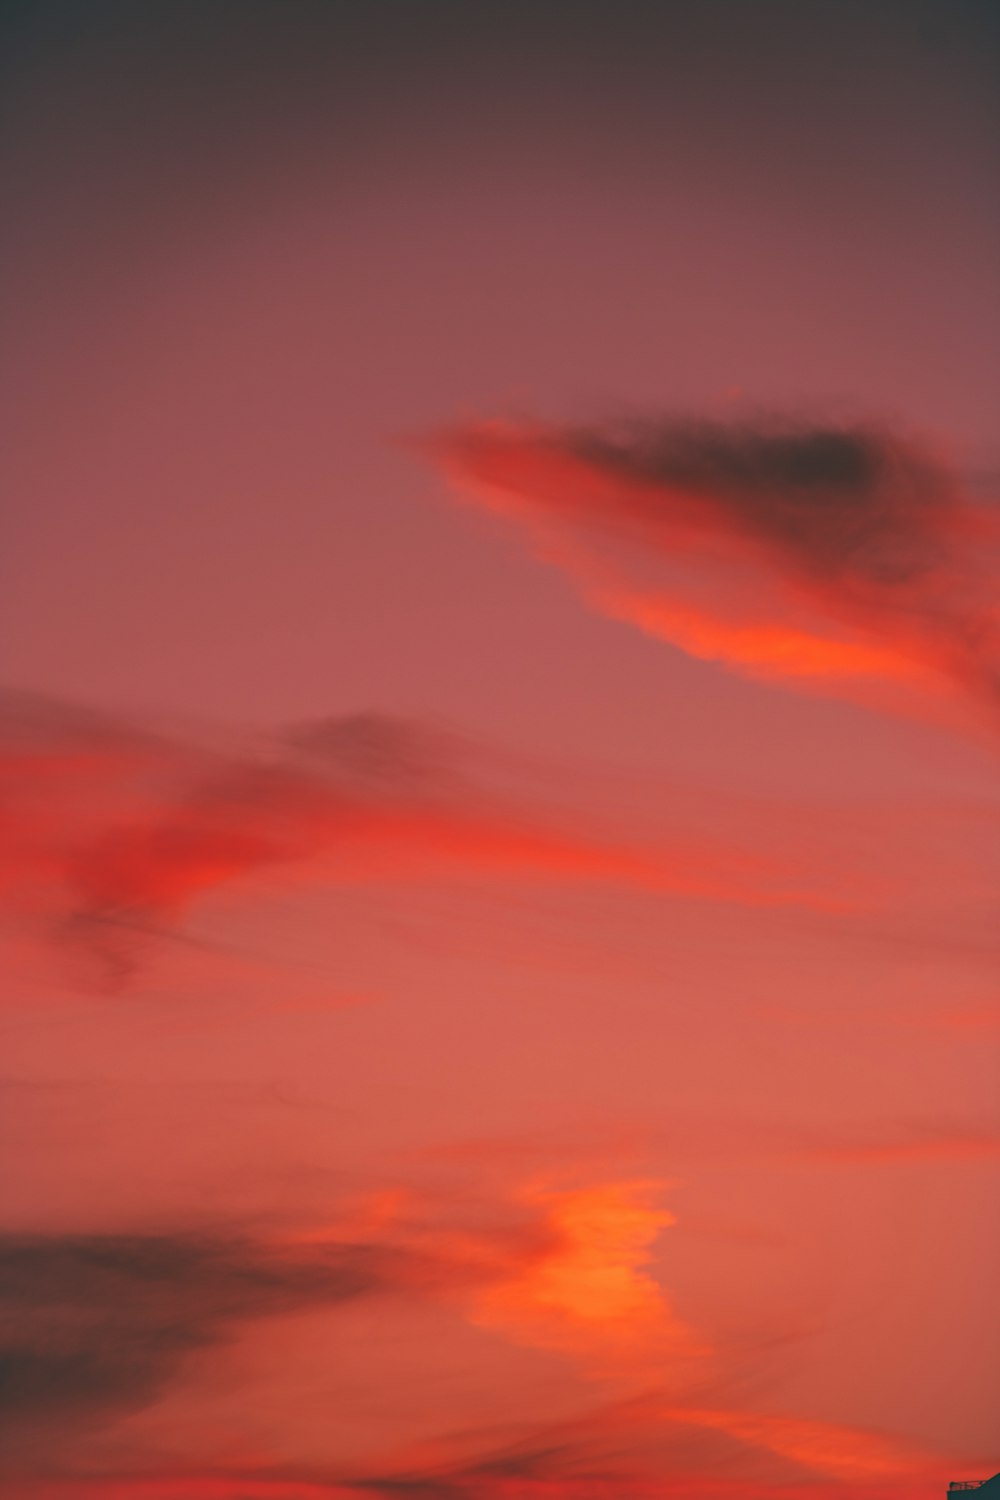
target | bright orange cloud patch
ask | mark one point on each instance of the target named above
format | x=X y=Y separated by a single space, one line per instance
x=760 y=649
x=590 y=1293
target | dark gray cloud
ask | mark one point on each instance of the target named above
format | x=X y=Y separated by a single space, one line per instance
x=95 y=1325
x=840 y=502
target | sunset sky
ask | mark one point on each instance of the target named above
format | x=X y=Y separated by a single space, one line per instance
x=500 y=750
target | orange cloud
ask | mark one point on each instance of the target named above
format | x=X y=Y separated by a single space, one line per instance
x=761 y=649
x=589 y=1292
x=568 y=1272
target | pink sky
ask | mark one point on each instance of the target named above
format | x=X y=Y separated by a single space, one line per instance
x=465 y=1035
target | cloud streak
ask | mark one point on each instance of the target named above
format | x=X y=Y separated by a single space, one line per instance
x=787 y=550
x=113 y=837
x=630 y=1451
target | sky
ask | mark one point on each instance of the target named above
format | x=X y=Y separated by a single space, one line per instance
x=500 y=750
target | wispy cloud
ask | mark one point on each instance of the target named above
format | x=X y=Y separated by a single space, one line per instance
x=467 y=1484
x=690 y=1141
x=113 y=836
x=644 y=1446
x=628 y=1451
x=785 y=549
x=914 y=1141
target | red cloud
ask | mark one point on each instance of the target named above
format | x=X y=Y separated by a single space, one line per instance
x=783 y=550
x=116 y=836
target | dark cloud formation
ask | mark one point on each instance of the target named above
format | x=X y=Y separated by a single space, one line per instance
x=796 y=548
x=842 y=503
x=95 y=1325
